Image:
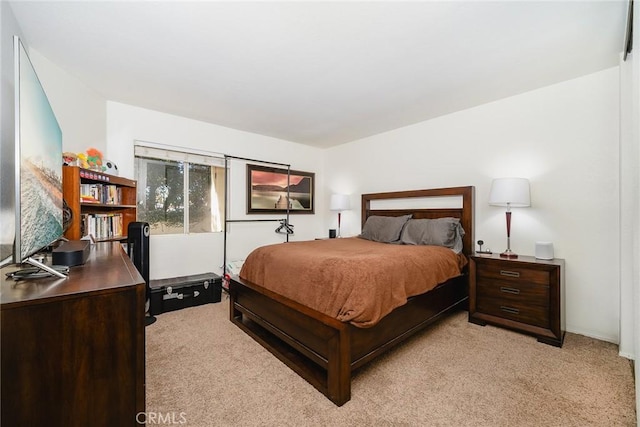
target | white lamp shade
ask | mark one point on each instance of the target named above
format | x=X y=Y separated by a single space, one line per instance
x=513 y=192
x=340 y=202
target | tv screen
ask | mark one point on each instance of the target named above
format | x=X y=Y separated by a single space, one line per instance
x=38 y=154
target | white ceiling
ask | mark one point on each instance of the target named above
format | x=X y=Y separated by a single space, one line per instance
x=321 y=73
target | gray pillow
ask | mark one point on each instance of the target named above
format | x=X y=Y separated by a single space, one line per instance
x=445 y=232
x=385 y=229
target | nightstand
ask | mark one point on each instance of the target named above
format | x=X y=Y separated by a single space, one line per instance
x=524 y=294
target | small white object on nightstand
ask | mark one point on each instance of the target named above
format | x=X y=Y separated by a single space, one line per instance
x=544 y=250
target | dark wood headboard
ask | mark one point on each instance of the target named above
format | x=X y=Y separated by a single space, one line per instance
x=466 y=212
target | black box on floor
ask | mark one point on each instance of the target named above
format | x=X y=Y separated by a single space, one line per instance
x=186 y=291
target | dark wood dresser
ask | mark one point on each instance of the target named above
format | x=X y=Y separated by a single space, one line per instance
x=523 y=294
x=73 y=350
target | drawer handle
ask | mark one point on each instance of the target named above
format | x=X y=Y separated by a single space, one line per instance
x=509 y=273
x=509 y=309
x=509 y=290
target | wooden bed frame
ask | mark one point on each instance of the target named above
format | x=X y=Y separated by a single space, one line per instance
x=325 y=351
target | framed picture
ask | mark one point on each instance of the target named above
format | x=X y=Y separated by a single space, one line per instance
x=267 y=190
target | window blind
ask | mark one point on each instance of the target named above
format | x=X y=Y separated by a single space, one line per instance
x=157 y=151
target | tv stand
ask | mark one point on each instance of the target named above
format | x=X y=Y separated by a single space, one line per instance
x=73 y=349
x=58 y=272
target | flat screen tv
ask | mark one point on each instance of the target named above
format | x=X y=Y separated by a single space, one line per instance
x=38 y=166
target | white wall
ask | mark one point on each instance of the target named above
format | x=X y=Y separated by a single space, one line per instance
x=629 y=191
x=8 y=28
x=564 y=138
x=631 y=184
x=80 y=110
x=178 y=255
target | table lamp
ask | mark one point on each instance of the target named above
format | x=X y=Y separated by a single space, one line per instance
x=512 y=193
x=339 y=202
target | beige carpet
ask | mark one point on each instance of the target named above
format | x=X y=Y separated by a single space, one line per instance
x=204 y=370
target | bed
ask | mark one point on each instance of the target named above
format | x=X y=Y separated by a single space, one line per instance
x=325 y=350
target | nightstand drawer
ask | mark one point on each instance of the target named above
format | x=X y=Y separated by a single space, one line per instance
x=516 y=292
x=520 y=311
x=512 y=272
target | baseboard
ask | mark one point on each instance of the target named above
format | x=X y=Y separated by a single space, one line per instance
x=626 y=355
x=595 y=335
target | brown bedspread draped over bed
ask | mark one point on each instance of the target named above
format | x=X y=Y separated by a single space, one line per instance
x=352 y=279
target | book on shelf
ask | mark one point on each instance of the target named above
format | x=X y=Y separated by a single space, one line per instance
x=102 y=225
x=106 y=194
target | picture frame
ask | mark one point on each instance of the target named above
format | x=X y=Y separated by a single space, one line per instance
x=267 y=190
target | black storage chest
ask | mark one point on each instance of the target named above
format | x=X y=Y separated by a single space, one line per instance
x=186 y=291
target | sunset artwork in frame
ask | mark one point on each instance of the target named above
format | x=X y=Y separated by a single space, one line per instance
x=267 y=190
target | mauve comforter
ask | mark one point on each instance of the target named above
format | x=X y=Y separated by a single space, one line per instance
x=352 y=279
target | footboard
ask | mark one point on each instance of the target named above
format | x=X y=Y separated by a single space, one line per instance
x=314 y=345
x=323 y=350
x=405 y=321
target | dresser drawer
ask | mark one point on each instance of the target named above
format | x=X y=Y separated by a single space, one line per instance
x=511 y=271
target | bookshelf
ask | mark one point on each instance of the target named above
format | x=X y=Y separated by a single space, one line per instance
x=101 y=204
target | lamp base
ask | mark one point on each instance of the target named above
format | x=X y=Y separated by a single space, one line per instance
x=508 y=254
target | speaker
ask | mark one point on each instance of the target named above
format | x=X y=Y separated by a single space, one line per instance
x=138 y=247
x=544 y=250
x=138 y=250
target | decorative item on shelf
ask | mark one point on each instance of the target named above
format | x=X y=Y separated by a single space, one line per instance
x=81 y=160
x=110 y=167
x=69 y=159
x=512 y=193
x=339 y=203
x=94 y=159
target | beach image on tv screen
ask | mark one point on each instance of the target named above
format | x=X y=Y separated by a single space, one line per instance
x=40 y=165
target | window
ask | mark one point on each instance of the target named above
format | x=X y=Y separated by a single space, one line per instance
x=179 y=192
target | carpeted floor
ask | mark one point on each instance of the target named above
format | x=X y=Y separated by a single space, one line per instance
x=204 y=371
